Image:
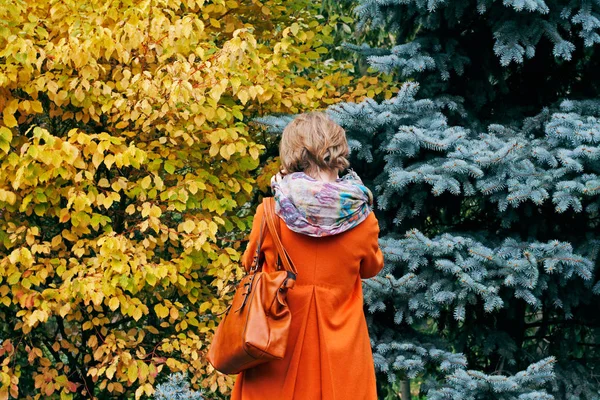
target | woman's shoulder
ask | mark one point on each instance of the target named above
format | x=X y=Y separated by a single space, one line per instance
x=260 y=209
x=370 y=223
x=258 y=215
x=367 y=227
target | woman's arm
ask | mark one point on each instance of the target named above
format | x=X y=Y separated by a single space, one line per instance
x=372 y=262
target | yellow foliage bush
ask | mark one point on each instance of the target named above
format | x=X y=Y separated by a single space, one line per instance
x=125 y=156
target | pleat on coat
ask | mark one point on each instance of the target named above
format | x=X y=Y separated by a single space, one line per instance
x=328 y=356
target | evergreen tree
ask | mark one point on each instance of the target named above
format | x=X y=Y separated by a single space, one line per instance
x=486 y=173
x=176 y=387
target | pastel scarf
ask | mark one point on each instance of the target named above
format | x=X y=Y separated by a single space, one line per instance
x=318 y=208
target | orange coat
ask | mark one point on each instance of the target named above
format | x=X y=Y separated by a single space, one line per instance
x=328 y=355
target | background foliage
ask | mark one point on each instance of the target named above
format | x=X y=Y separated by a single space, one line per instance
x=126 y=160
x=486 y=170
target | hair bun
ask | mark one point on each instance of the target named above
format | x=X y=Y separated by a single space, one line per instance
x=313 y=141
x=340 y=162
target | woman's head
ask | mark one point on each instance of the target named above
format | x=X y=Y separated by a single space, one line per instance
x=313 y=142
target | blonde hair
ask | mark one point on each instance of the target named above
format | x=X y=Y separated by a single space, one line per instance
x=313 y=142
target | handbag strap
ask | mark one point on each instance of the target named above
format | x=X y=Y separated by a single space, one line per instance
x=261 y=238
x=282 y=254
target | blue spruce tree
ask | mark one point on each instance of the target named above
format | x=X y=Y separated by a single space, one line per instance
x=176 y=387
x=486 y=173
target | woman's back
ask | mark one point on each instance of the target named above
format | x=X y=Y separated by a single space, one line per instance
x=328 y=354
x=331 y=234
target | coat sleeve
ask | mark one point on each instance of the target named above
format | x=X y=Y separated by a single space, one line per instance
x=372 y=261
x=248 y=255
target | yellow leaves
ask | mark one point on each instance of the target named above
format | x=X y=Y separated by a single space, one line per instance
x=81 y=203
x=213 y=228
x=109 y=244
x=99 y=352
x=151 y=279
x=61 y=98
x=205 y=306
x=8 y=113
x=137 y=313
x=237 y=114
x=56 y=346
x=110 y=371
x=35 y=317
x=214 y=150
x=145 y=388
x=294 y=28
x=107 y=200
x=169 y=167
x=254 y=152
x=145 y=182
x=161 y=311
x=150 y=210
x=64 y=310
x=208 y=112
x=9 y=120
x=13 y=278
x=7 y=196
x=119 y=184
x=69 y=235
x=22 y=255
x=79 y=94
x=51 y=86
x=235 y=84
x=227 y=151
x=113 y=303
x=31 y=235
x=4 y=291
x=243 y=96
x=193 y=187
x=253 y=91
x=216 y=92
x=37 y=106
x=5 y=138
x=222 y=114
x=109 y=160
x=4 y=390
x=187 y=226
x=158 y=183
x=96 y=297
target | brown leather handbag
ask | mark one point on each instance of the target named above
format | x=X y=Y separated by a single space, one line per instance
x=255 y=328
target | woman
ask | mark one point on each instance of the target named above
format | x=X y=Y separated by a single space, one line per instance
x=330 y=232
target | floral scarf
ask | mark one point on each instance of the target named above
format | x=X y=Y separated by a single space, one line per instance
x=318 y=208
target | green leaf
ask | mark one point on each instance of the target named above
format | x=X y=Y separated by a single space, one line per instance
x=5 y=138
x=151 y=279
x=14 y=278
x=170 y=168
x=5 y=134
